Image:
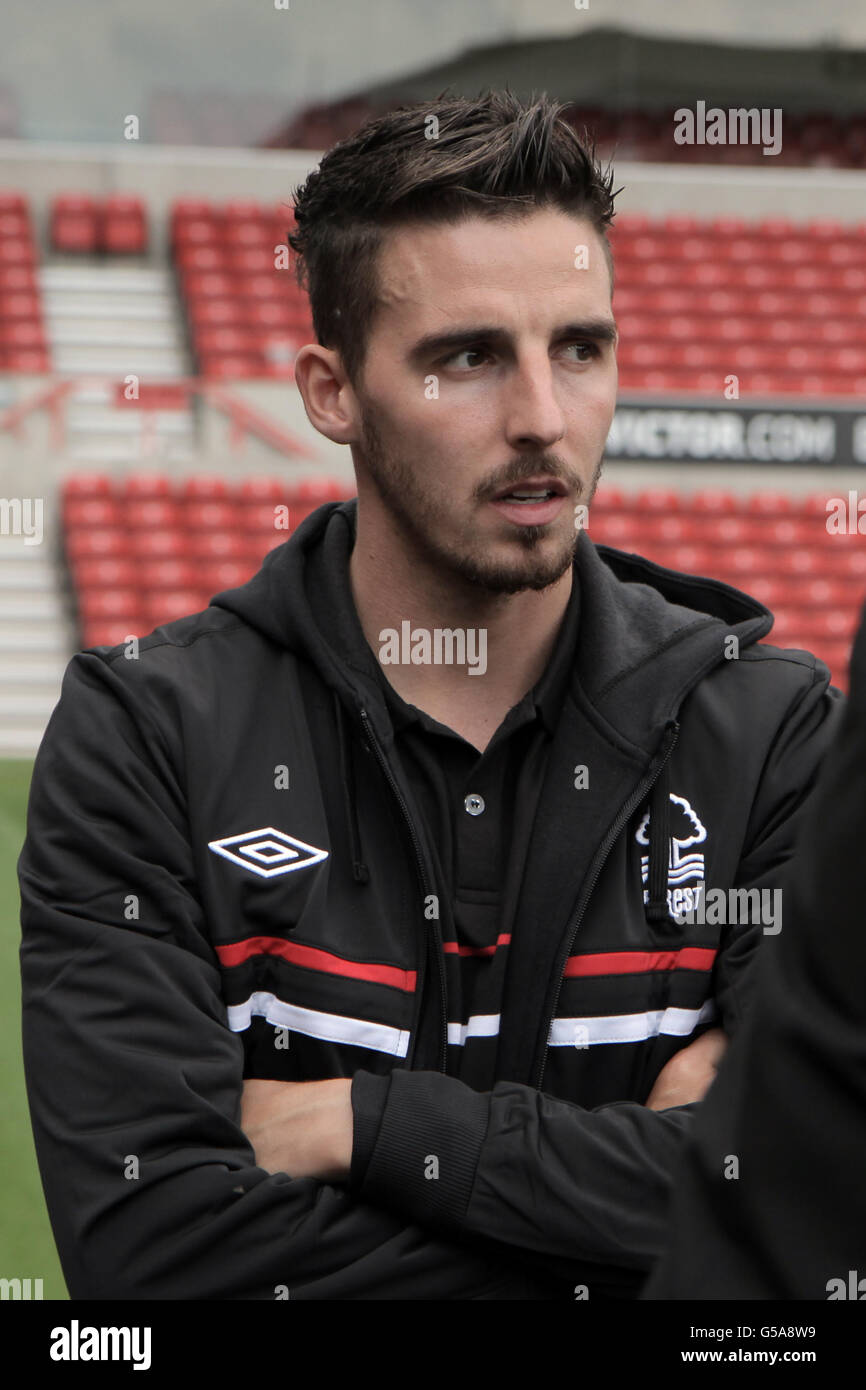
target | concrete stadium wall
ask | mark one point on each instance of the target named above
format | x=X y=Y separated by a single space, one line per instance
x=162 y=173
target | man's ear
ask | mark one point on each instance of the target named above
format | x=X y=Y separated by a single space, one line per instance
x=329 y=400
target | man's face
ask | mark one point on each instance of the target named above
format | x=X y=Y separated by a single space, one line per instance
x=490 y=366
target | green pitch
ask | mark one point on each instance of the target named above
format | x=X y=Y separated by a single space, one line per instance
x=27 y=1248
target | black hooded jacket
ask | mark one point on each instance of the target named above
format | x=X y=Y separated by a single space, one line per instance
x=169 y=946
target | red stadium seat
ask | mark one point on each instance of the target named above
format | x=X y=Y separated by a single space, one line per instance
x=122 y=604
x=257 y=490
x=146 y=486
x=85 y=485
x=105 y=574
x=217 y=575
x=217 y=545
x=208 y=487
x=157 y=545
x=608 y=498
x=203 y=258
x=108 y=633
x=167 y=605
x=233 y=366
x=155 y=575
x=263 y=518
x=714 y=500
x=244 y=210
x=153 y=513
x=90 y=545
x=619 y=530
x=769 y=590
x=74 y=223
x=768 y=504
x=124 y=234
x=202 y=514
x=91 y=512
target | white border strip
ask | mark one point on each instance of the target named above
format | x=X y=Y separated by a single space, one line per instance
x=627 y=1028
x=379 y=1037
x=478 y=1026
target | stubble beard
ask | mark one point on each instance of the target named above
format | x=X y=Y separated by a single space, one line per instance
x=420 y=520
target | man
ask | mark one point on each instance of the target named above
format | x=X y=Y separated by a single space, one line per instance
x=351 y=958
x=769 y=1203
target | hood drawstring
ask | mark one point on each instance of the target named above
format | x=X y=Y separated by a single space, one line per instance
x=360 y=872
x=659 y=848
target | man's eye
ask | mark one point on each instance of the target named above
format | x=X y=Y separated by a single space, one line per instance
x=455 y=359
x=589 y=348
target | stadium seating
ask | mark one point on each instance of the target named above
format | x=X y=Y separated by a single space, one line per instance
x=247 y=316
x=781 y=306
x=147 y=548
x=23 y=345
x=116 y=225
x=773 y=546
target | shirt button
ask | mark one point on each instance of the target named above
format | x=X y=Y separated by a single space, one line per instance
x=474 y=804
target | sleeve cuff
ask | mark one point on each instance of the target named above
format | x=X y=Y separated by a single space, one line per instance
x=369 y=1095
x=427 y=1142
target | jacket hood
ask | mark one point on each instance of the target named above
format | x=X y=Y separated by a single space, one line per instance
x=647 y=634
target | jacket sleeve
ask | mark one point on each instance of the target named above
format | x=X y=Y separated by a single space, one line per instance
x=541 y=1173
x=783 y=798
x=133 y=1077
x=769 y=1198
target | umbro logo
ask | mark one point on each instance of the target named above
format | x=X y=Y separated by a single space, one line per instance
x=268 y=852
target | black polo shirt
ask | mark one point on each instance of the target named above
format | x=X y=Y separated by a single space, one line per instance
x=478 y=810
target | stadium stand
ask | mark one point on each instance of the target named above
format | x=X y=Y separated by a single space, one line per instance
x=781 y=305
x=23 y=345
x=246 y=315
x=149 y=548
x=116 y=225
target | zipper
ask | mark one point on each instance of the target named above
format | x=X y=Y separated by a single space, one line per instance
x=604 y=849
x=419 y=865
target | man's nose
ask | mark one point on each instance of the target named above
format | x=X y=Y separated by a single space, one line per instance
x=534 y=415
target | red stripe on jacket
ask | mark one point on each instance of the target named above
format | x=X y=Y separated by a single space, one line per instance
x=315 y=959
x=640 y=962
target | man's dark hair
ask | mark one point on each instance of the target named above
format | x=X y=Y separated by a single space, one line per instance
x=432 y=162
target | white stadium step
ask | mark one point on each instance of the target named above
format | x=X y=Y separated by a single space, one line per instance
x=26 y=578
x=101 y=421
x=44 y=637
x=130 y=449
x=21 y=741
x=99 y=278
x=93 y=304
x=155 y=363
x=30 y=607
x=22 y=709
x=114 y=334
x=33 y=672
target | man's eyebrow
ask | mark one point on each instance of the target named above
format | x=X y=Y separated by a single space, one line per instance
x=432 y=344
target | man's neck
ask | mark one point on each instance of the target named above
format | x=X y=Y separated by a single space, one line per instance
x=391 y=588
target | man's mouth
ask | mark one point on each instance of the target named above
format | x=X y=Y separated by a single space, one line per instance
x=529 y=492
x=534 y=502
